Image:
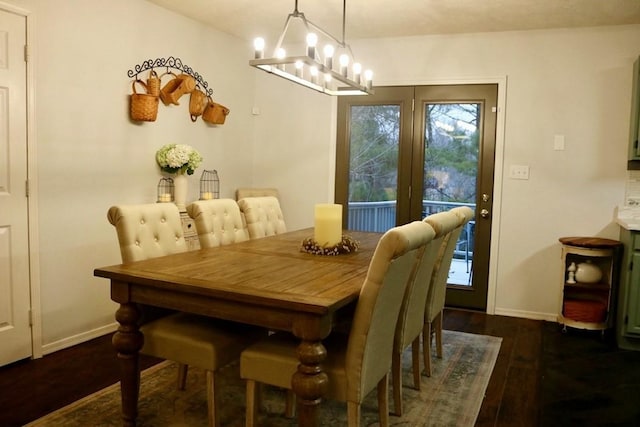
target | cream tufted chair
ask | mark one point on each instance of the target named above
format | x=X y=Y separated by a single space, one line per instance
x=241 y=193
x=263 y=216
x=450 y=226
x=359 y=361
x=147 y=231
x=218 y=222
x=411 y=319
x=153 y=230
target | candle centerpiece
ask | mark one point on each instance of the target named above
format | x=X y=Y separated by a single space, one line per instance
x=327 y=233
x=328 y=224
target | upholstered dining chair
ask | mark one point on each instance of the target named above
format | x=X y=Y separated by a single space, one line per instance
x=243 y=192
x=411 y=318
x=152 y=230
x=263 y=216
x=437 y=293
x=359 y=361
x=218 y=222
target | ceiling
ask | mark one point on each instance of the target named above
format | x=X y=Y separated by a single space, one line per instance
x=247 y=19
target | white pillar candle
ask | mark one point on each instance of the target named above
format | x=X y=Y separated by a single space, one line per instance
x=328 y=224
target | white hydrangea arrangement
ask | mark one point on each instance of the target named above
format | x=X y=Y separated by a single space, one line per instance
x=178 y=159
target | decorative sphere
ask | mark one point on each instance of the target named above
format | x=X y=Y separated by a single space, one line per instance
x=586 y=272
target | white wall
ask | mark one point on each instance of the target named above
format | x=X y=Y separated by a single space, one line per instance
x=575 y=83
x=294 y=147
x=91 y=156
x=571 y=82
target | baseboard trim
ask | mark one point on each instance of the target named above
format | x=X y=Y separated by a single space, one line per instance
x=550 y=317
x=78 y=339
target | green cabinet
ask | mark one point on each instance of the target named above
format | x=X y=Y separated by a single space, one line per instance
x=632 y=319
x=634 y=128
x=628 y=319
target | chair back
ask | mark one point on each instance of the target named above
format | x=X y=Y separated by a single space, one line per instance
x=147 y=230
x=448 y=225
x=241 y=193
x=218 y=222
x=370 y=346
x=411 y=318
x=263 y=216
x=465 y=214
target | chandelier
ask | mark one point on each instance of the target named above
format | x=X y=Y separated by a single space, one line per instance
x=313 y=69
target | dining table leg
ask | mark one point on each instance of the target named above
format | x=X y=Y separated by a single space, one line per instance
x=128 y=341
x=310 y=383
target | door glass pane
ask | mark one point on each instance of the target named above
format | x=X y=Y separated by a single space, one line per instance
x=451 y=138
x=373 y=167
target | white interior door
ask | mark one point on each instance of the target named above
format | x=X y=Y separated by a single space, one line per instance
x=15 y=329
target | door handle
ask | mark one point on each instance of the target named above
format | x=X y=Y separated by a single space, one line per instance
x=484 y=213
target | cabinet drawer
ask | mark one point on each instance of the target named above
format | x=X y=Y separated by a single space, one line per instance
x=188 y=225
x=193 y=243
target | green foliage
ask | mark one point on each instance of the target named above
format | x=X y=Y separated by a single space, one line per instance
x=451 y=152
x=374 y=153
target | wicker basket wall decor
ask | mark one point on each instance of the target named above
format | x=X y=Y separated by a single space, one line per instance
x=215 y=113
x=153 y=83
x=144 y=107
x=168 y=87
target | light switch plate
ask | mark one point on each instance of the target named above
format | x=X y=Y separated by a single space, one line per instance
x=519 y=172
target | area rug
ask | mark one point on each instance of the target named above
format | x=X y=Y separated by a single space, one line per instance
x=452 y=396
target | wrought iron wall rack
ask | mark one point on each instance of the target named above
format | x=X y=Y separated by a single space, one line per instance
x=170 y=62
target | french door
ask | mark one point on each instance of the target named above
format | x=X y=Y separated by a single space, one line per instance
x=410 y=151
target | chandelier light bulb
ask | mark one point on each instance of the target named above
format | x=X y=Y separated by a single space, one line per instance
x=344 y=64
x=299 y=65
x=368 y=78
x=312 y=41
x=258 y=45
x=357 y=70
x=314 y=74
x=328 y=56
x=280 y=54
x=327 y=80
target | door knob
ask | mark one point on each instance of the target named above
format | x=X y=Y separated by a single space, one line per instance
x=484 y=213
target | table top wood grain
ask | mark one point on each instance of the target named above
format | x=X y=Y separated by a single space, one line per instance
x=269 y=271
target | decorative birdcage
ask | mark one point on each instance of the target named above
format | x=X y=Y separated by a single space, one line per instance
x=165 y=190
x=209 y=185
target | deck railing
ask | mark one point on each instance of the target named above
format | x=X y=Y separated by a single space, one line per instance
x=381 y=216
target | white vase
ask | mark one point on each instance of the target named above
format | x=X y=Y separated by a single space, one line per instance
x=180 y=191
x=587 y=272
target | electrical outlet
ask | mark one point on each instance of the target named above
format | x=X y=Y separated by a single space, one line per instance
x=519 y=172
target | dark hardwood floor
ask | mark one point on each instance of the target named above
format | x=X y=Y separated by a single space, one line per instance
x=542 y=377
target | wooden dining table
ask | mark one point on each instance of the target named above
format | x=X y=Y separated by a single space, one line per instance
x=268 y=282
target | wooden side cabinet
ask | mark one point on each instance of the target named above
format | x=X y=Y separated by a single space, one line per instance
x=189 y=230
x=628 y=320
x=589 y=282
